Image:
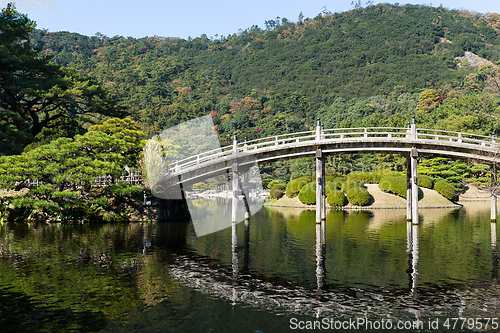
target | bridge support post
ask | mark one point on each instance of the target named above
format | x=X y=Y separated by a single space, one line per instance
x=320 y=186
x=323 y=178
x=414 y=175
x=234 y=211
x=414 y=186
x=493 y=207
x=408 y=188
x=246 y=193
x=320 y=178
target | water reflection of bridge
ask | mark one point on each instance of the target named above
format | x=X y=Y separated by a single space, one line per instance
x=239 y=286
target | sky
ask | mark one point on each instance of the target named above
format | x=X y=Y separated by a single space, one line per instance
x=188 y=18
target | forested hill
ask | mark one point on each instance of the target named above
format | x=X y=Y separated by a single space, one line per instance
x=366 y=66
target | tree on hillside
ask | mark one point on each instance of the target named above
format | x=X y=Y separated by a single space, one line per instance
x=43 y=94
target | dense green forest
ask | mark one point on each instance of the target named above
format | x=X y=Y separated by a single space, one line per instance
x=363 y=67
x=373 y=66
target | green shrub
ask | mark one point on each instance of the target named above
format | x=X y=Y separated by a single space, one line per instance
x=277 y=181
x=358 y=196
x=329 y=174
x=394 y=184
x=266 y=181
x=329 y=178
x=350 y=184
x=371 y=177
x=123 y=189
x=336 y=199
x=447 y=190
x=277 y=191
x=329 y=187
x=294 y=186
x=425 y=181
x=307 y=194
x=337 y=182
x=379 y=174
x=362 y=176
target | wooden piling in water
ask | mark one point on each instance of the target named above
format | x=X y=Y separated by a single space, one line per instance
x=493 y=207
x=408 y=188
x=493 y=213
x=320 y=179
x=234 y=211
x=414 y=175
x=246 y=191
x=320 y=190
x=414 y=186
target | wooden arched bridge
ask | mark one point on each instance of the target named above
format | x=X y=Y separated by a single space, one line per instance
x=410 y=140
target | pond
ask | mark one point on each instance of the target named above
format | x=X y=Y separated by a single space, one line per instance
x=280 y=272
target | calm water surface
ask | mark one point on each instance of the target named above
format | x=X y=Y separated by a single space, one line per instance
x=277 y=272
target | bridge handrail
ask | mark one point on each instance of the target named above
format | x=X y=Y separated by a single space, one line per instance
x=468 y=138
x=208 y=155
x=458 y=134
x=275 y=141
x=365 y=128
x=200 y=158
x=327 y=134
x=365 y=132
x=273 y=137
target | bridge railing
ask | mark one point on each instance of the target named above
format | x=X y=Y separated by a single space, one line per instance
x=199 y=159
x=277 y=140
x=332 y=134
x=242 y=147
x=365 y=132
x=458 y=137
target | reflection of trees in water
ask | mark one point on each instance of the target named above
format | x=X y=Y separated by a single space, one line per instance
x=86 y=269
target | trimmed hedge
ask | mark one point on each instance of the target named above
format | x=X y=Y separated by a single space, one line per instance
x=371 y=177
x=425 y=181
x=294 y=186
x=329 y=187
x=394 y=184
x=362 y=176
x=336 y=199
x=329 y=174
x=447 y=190
x=277 y=181
x=307 y=194
x=337 y=182
x=277 y=191
x=350 y=184
x=358 y=196
x=328 y=178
